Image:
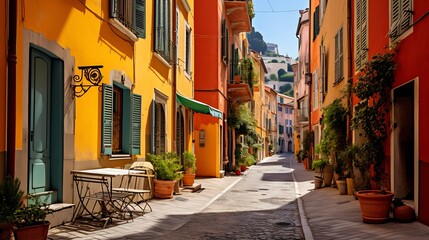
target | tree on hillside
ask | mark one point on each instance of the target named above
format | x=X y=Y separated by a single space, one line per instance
x=284 y=88
x=273 y=77
x=287 y=77
x=289 y=93
x=256 y=41
x=280 y=72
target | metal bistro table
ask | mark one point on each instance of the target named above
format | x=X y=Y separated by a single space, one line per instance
x=95 y=186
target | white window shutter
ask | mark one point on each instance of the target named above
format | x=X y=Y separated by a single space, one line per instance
x=407 y=16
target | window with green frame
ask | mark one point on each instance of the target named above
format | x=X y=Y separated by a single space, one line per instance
x=162 y=29
x=131 y=14
x=120 y=134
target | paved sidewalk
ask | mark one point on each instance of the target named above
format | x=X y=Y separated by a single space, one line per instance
x=334 y=216
x=328 y=214
x=167 y=215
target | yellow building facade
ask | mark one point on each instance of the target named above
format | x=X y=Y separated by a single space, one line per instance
x=97 y=83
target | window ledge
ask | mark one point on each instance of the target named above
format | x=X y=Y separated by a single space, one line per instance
x=160 y=58
x=401 y=36
x=120 y=157
x=118 y=25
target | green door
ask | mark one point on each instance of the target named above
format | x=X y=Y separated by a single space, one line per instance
x=45 y=126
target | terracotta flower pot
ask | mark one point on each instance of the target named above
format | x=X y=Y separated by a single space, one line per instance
x=342 y=187
x=164 y=188
x=404 y=214
x=375 y=205
x=318 y=182
x=188 y=179
x=34 y=232
x=328 y=173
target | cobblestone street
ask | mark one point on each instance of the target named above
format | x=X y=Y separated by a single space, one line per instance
x=261 y=206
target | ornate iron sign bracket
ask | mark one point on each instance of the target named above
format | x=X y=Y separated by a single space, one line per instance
x=92 y=74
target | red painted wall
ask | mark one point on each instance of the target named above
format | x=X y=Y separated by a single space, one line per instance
x=412 y=62
x=210 y=71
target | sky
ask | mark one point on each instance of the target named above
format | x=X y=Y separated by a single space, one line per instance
x=277 y=21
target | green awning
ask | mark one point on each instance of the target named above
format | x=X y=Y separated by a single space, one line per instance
x=198 y=106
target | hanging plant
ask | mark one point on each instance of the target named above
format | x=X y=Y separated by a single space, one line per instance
x=373 y=89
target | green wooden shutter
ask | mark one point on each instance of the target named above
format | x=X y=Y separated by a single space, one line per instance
x=107 y=119
x=158 y=18
x=222 y=39
x=113 y=8
x=136 y=123
x=316 y=23
x=152 y=135
x=140 y=17
x=226 y=44
x=337 y=65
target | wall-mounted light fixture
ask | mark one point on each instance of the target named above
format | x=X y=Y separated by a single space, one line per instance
x=308 y=77
x=92 y=74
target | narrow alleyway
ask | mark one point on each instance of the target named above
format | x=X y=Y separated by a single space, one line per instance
x=261 y=206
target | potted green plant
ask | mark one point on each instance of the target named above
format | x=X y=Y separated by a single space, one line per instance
x=189 y=165
x=10 y=202
x=270 y=149
x=299 y=156
x=167 y=170
x=373 y=89
x=30 y=220
x=319 y=164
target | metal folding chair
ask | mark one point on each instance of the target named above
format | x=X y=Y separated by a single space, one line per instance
x=97 y=190
x=138 y=185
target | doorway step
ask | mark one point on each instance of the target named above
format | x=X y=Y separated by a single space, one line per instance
x=62 y=213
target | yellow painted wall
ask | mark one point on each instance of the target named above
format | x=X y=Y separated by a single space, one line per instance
x=208 y=164
x=335 y=17
x=83 y=27
x=185 y=81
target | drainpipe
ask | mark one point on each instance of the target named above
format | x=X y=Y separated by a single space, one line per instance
x=174 y=76
x=11 y=90
x=349 y=73
x=310 y=82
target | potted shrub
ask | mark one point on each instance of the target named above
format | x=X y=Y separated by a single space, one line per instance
x=319 y=164
x=373 y=89
x=166 y=167
x=299 y=156
x=270 y=149
x=189 y=166
x=30 y=220
x=306 y=144
x=10 y=202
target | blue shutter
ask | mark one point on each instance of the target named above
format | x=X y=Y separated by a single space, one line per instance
x=136 y=123
x=140 y=17
x=107 y=120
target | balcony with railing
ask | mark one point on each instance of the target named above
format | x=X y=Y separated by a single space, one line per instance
x=241 y=80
